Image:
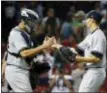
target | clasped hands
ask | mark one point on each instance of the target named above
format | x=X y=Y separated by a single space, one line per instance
x=50 y=42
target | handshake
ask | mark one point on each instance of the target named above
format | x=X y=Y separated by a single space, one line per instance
x=50 y=43
x=67 y=53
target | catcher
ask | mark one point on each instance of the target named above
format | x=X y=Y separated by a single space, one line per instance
x=21 y=52
x=92 y=52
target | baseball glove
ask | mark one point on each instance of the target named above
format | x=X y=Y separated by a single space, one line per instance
x=67 y=54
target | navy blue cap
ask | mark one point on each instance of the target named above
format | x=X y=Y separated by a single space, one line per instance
x=95 y=15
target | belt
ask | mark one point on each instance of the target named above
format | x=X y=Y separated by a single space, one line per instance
x=87 y=68
x=17 y=66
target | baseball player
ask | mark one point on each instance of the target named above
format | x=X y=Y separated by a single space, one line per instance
x=21 y=51
x=92 y=52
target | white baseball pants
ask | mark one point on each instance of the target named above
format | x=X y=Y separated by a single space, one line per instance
x=92 y=80
x=18 y=79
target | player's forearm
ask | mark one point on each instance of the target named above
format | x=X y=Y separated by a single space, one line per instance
x=31 y=52
x=91 y=59
x=3 y=66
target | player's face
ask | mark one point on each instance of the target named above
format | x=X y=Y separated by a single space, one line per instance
x=33 y=25
x=88 y=22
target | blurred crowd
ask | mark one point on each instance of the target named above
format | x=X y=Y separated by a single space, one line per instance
x=69 y=31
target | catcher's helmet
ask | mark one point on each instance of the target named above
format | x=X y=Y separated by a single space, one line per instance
x=95 y=15
x=30 y=18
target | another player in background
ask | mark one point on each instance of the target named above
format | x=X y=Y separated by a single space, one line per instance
x=21 y=51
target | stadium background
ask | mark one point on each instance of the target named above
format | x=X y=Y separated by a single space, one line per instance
x=67 y=13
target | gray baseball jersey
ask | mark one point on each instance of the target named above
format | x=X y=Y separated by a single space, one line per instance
x=17 y=73
x=16 y=44
x=95 y=44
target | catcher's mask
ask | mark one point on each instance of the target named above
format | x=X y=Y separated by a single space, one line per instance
x=30 y=19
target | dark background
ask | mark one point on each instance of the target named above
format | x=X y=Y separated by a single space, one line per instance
x=61 y=8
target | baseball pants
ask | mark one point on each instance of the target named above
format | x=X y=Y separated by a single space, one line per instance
x=18 y=79
x=92 y=80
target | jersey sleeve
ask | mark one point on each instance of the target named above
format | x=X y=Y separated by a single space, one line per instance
x=18 y=41
x=98 y=47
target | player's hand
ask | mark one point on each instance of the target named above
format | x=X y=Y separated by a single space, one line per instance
x=57 y=46
x=46 y=38
x=73 y=50
x=48 y=43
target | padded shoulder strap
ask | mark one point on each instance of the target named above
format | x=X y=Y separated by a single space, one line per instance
x=26 y=38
